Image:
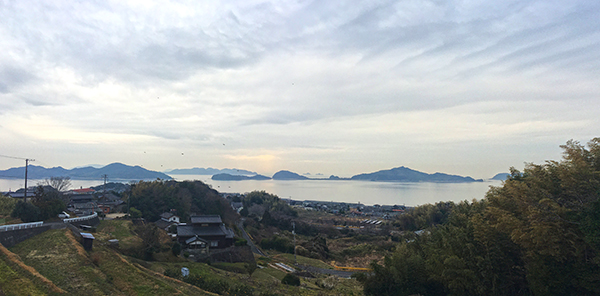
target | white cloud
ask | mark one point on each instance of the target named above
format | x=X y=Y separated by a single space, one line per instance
x=308 y=86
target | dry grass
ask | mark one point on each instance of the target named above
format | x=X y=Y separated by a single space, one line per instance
x=76 y=244
x=15 y=259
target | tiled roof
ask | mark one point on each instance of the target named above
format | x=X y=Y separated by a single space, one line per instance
x=190 y=230
x=206 y=219
x=162 y=224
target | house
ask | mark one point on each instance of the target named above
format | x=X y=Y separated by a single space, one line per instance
x=169 y=217
x=82 y=191
x=205 y=231
x=167 y=220
x=110 y=202
x=82 y=204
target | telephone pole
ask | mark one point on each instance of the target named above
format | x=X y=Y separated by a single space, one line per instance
x=294 y=232
x=104 y=188
x=27 y=160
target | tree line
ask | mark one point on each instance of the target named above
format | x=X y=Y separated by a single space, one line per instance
x=537 y=234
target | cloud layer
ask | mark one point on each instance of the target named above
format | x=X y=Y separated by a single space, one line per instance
x=465 y=87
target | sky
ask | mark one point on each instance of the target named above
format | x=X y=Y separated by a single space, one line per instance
x=331 y=87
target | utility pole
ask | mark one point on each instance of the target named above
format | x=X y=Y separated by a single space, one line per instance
x=105 y=176
x=27 y=160
x=26 y=166
x=294 y=233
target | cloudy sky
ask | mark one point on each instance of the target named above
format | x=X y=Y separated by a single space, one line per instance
x=332 y=87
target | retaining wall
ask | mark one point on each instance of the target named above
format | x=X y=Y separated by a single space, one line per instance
x=13 y=237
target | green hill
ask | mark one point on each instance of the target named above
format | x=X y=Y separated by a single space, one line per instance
x=63 y=265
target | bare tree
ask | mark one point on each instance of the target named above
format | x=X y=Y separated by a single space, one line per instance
x=61 y=184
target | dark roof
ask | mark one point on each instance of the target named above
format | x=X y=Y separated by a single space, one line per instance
x=166 y=215
x=111 y=203
x=190 y=230
x=163 y=224
x=193 y=239
x=81 y=197
x=206 y=219
x=110 y=197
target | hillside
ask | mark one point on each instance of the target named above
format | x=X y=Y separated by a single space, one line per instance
x=115 y=171
x=57 y=256
x=66 y=266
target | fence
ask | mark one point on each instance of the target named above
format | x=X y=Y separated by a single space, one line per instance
x=79 y=219
x=21 y=226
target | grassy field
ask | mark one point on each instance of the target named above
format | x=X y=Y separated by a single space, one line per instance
x=15 y=281
x=105 y=270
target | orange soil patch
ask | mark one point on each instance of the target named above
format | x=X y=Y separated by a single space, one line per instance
x=75 y=243
x=15 y=259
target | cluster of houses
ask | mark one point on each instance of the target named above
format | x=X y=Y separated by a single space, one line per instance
x=81 y=202
x=204 y=232
x=349 y=209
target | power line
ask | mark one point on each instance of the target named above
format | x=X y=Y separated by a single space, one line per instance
x=13 y=157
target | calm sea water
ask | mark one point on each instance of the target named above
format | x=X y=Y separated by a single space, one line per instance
x=365 y=192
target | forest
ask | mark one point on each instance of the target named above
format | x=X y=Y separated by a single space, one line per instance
x=537 y=234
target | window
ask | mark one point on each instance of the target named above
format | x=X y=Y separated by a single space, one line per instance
x=214 y=243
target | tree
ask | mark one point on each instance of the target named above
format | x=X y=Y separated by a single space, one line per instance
x=61 y=184
x=176 y=249
x=291 y=279
x=135 y=213
x=7 y=205
x=26 y=211
x=250 y=268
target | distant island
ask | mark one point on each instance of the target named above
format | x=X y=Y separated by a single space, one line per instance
x=114 y=171
x=287 y=175
x=404 y=174
x=400 y=174
x=500 y=176
x=211 y=171
x=229 y=177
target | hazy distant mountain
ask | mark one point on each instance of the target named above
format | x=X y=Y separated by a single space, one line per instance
x=229 y=177
x=405 y=174
x=500 y=176
x=210 y=171
x=287 y=175
x=114 y=171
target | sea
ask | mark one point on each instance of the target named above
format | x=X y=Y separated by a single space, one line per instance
x=365 y=192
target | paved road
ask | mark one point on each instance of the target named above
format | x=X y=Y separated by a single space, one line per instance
x=240 y=225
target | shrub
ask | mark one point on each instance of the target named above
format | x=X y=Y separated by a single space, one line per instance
x=241 y=290
x=240 y=242
x=176 y=249
x=26 y=211
x=290 y=279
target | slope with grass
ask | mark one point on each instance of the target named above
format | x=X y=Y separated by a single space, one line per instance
x=59 y=258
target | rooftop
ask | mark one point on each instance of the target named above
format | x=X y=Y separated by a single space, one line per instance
x=206 y=219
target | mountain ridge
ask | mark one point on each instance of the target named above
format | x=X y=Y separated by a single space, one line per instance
x=113 y=171
x=210 y=171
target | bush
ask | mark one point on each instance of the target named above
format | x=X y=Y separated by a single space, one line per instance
x=240 y=242
x=291 y=280
x=26 y=211
x=173 y=272
x=211 y=285
x=241 y=290
x=176 y=249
